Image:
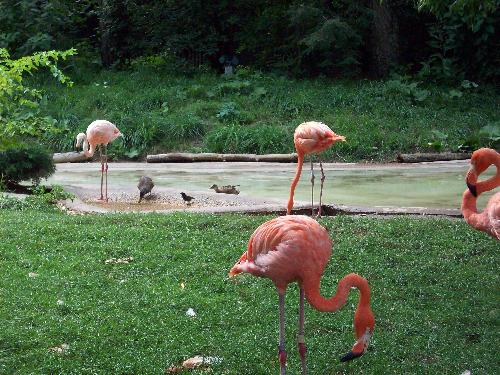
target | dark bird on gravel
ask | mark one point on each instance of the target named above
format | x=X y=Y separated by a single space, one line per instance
x=145 y=186
x=187 y=198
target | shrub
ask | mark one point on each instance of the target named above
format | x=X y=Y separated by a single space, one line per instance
x=25 y=162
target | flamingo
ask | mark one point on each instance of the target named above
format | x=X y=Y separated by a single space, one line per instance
x=310 y=138
x=99 y=132
x=489 y=220
x=296 y=248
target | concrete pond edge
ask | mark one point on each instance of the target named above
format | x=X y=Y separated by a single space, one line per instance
x=76 y=205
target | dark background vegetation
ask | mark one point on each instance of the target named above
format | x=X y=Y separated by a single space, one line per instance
x=303 y=38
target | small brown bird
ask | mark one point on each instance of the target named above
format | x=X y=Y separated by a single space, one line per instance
x=226 y=189
x=186 y=198
x=145 y=186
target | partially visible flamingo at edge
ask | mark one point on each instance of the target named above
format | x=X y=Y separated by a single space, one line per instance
x=488 y=220
x=99 y=132
x=296 y=248
x=311 y=138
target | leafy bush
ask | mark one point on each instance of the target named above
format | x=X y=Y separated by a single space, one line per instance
x=400 y=86
x=228 y=112
x=25 y=162
x=42 y=198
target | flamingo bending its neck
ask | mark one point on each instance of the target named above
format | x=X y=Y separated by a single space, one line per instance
x=488 y=220
x=99 y=132
x=311 y=138
x=296 y=248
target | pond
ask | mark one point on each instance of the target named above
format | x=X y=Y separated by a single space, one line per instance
x=431 y=185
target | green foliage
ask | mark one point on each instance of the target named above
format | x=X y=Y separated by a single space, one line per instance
x=242 y=139
x=167 y=114
x=41 y=198
x=19 y=103
x=402 y=86
x=463 y=41
x=25 y=162
x=487 y=136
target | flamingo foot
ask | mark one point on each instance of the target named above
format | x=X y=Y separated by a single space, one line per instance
x=282 y=358
x=302 y=352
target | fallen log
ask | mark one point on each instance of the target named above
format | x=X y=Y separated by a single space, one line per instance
x=178 y=157
x=441 y=156
x=278 y=158
x=69 y=157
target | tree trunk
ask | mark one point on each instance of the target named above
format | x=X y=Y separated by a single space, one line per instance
x=105 y=23
x=383 y=39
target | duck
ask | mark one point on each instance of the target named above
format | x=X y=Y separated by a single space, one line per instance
x=226 y=189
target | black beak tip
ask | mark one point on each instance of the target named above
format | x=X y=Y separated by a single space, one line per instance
x=350 y=356
x=472 y=189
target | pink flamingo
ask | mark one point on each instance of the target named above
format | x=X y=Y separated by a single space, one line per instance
x=310 y=138
x=296 y=248
x=99 y=132
x=489 y=220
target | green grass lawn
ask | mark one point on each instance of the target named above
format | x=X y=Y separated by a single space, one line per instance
x=159 y=110
x=435 y=288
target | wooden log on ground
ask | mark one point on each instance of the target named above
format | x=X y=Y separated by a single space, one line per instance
x=278 y=158
x=180 y=157
x=69 y=157
x=441 y=156
x=239 y=157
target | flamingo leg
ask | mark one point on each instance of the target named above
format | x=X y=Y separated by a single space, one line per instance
x=106 y=169
x=312 y=187
x=102 y=169
x=281 y=347
x=321 y=189
x=300 y=337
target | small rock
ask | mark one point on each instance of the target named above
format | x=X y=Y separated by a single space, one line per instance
x=32 y=274
x=190 y=312
x=61 y=349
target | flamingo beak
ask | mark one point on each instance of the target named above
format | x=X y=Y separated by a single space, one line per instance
x=470 y=180
x=350 y=356
x=359 y=347
x=472 y=189
x=337 y=138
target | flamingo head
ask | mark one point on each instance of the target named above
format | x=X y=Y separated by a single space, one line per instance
x=480 y=161
x=364 y=324
x=336 y=138
x=80 y=138
x=360 y=346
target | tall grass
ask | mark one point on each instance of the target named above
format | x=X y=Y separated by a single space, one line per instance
x=158 y=110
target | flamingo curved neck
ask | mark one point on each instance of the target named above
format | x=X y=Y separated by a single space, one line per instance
x=469 y=211
x=300 y=162
x=336 y=302
x=88 y=152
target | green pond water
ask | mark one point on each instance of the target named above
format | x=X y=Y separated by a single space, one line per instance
x=432 y=185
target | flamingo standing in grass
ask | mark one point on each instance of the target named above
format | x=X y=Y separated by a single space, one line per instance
x=296 y=248
x=99 y=132
x=489 y=220
x=310 y=138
